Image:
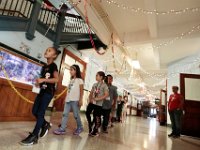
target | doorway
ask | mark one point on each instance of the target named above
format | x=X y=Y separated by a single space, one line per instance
x=190 y=86
x=68 y=60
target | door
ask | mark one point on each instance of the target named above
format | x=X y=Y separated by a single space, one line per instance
x=163 y=107
x=190 y=89
x=68 y=59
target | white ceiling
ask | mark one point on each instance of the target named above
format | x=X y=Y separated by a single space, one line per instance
x=140 y=34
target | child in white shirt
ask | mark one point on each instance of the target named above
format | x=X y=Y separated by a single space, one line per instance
x=73 y=101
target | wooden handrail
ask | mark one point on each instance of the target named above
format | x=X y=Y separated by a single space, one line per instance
x=67 y=14
x=73 y=23
x=22 y=8
x=13 y=11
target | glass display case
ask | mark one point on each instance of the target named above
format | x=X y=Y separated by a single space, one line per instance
x=18 y=68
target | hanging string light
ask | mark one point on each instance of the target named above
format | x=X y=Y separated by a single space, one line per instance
x=113 y=53
x=156 y=76
x=113 y=57
x=152 y=12
x=163 y=76
x=194 y=29
x=187 y=67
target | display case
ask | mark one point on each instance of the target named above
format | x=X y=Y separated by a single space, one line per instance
x=22 y=70
x=19 y=69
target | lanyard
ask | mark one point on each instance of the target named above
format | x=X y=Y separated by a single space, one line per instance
x=97 y=89
x=71 y=85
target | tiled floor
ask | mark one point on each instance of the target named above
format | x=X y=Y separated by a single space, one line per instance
x=135 y=134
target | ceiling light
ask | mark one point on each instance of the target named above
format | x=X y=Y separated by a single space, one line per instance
x=135 y=64
x=142 y=85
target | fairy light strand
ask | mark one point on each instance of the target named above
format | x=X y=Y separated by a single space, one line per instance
x=194 y=29
x=152 y=12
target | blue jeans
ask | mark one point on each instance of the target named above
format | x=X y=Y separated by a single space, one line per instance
x=175 y=117
x=74 y=106
x=40 y=105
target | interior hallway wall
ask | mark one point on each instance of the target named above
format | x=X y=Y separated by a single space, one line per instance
x=37 y=46
x=190 y=65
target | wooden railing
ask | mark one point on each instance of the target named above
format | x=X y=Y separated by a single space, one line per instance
x=17 y=8
x=48 y=18
x=23 y=8
x=75 y=24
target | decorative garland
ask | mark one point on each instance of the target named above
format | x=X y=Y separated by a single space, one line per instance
x=89 y=29
x=152 y=12
x=181 y=36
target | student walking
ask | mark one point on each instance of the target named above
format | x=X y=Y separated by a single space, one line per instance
x=97 y=95
x=109 y=103
x=49 y=77
x=74 y=101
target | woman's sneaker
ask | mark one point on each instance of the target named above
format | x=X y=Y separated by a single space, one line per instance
x=30 y=140
x=105 y=131
x=45 y=129
x=94 y=134
x=59 y=131
x=78 y=131
x=90 y=129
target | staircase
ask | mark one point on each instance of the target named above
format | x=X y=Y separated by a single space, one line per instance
x=29 y=16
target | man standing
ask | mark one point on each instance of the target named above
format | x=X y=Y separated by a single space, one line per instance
x=175 y=107
x=109 y=103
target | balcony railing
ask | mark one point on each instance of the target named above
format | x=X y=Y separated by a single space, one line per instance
x=75 y=24
x=17 y=8
x=48 y=18
x=22 y=8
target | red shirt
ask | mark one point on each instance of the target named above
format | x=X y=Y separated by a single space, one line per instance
x=175 y=102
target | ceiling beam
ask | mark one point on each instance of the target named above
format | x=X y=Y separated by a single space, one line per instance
x=151 y=18
x=165 y=33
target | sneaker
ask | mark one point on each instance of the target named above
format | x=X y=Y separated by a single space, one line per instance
x=59 y=131
x=78 y=131
x=171 y=135
x=90 y=129
x=90 y=132
x=109 y=125
x=105 y=131
x=176 y=136
x=30 y=140
x=94 y=134
x=45 y=129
